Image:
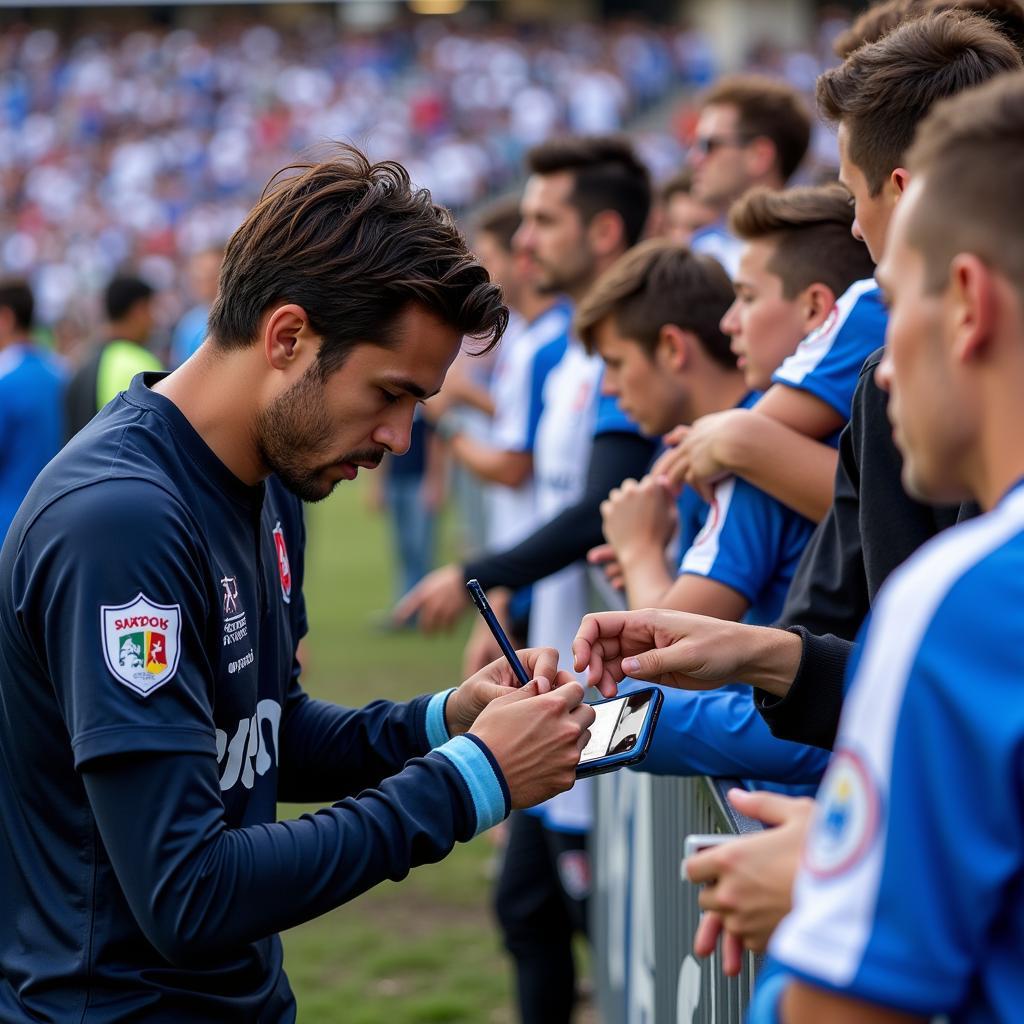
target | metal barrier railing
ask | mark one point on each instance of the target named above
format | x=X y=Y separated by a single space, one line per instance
x=644 y=913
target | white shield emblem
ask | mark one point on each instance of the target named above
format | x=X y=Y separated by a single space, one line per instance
x=141 y=640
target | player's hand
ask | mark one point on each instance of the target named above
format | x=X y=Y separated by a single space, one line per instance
x=604 y=556
x=692 y=652
x=748 y=883
x=537 y=739
x=497 y=680
x=437 y=601
x=672 y=465
x=638 y=515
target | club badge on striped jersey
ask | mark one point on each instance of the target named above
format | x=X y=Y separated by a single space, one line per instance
x=846 y=818
x=141 y=642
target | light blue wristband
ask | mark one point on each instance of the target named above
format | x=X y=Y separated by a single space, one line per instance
x=478 y=770
x=437 y=727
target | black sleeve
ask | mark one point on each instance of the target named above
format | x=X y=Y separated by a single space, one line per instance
x=196 y=887
x=574 y=531
x=809 y=713
x=871 y=528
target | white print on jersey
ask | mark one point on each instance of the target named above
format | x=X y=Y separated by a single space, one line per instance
x=141 y=640
x=249 y=754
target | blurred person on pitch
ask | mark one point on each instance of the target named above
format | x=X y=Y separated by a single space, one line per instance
x=151 y=710
x=121 y=353
x=891 y=920
x=586 y=202
x=203 y=277
x=32 y=386
x=678 y=215
x=873 y=526
x=752 y=130
x=531 y=347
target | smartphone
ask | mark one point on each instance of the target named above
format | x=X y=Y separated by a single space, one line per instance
x=476 y=592
x=621 y=733
x=696 y=842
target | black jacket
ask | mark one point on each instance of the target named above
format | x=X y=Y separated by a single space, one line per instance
x=871 y=528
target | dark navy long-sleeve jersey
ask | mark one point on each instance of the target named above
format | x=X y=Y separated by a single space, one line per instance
x=150 y=719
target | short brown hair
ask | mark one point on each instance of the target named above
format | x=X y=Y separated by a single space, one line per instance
x=767 y=109
x=872 y=24
x=880 y=19
x=970 y=156
x=500 y=219
x=810 y=229
x=883 y=90
x=658 y=283
x=607 y=175
x=353 y=244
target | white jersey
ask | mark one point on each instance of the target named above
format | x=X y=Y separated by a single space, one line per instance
x=525 y=358
x=574 y=413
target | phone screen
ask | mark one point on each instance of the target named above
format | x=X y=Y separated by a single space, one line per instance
x=618 y=726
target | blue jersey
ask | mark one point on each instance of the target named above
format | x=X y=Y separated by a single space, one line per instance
x=721 y=733
x=827 y=363
x=151 y=718
x=749 y=542
x=910 y=895
x=31 y=422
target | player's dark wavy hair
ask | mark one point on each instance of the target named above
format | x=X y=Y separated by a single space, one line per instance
x=354 y=244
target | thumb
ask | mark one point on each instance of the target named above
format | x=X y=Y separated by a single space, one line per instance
x=601 y=553
x=531 y=689
x=649 y=665
x=771 y=808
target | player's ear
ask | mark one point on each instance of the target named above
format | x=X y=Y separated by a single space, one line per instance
x=287 y=336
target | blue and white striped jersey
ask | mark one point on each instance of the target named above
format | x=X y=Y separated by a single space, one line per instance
x=827 y=363
x=910 y=895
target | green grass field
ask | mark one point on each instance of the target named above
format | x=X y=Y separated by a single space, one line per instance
x=423 y=950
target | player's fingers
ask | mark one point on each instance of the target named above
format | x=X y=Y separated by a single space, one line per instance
x=540 y=661
x=705 y=938
x=600 y=554
x=571 y=694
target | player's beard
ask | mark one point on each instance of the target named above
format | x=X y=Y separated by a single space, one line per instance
x=293 y=436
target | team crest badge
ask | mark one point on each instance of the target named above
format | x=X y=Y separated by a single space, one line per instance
x=847 y=817
x=141 y=641
x=284 y=568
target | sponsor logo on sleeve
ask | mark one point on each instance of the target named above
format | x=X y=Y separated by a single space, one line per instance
x=284 y=568
x=141 y=642
x=846 y=819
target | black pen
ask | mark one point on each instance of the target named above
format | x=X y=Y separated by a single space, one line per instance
x=480 y=600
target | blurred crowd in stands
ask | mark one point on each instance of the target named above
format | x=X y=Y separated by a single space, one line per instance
x=134 y=151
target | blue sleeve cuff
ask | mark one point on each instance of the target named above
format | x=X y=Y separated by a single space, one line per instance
x=483 y=779
x=437 y=727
